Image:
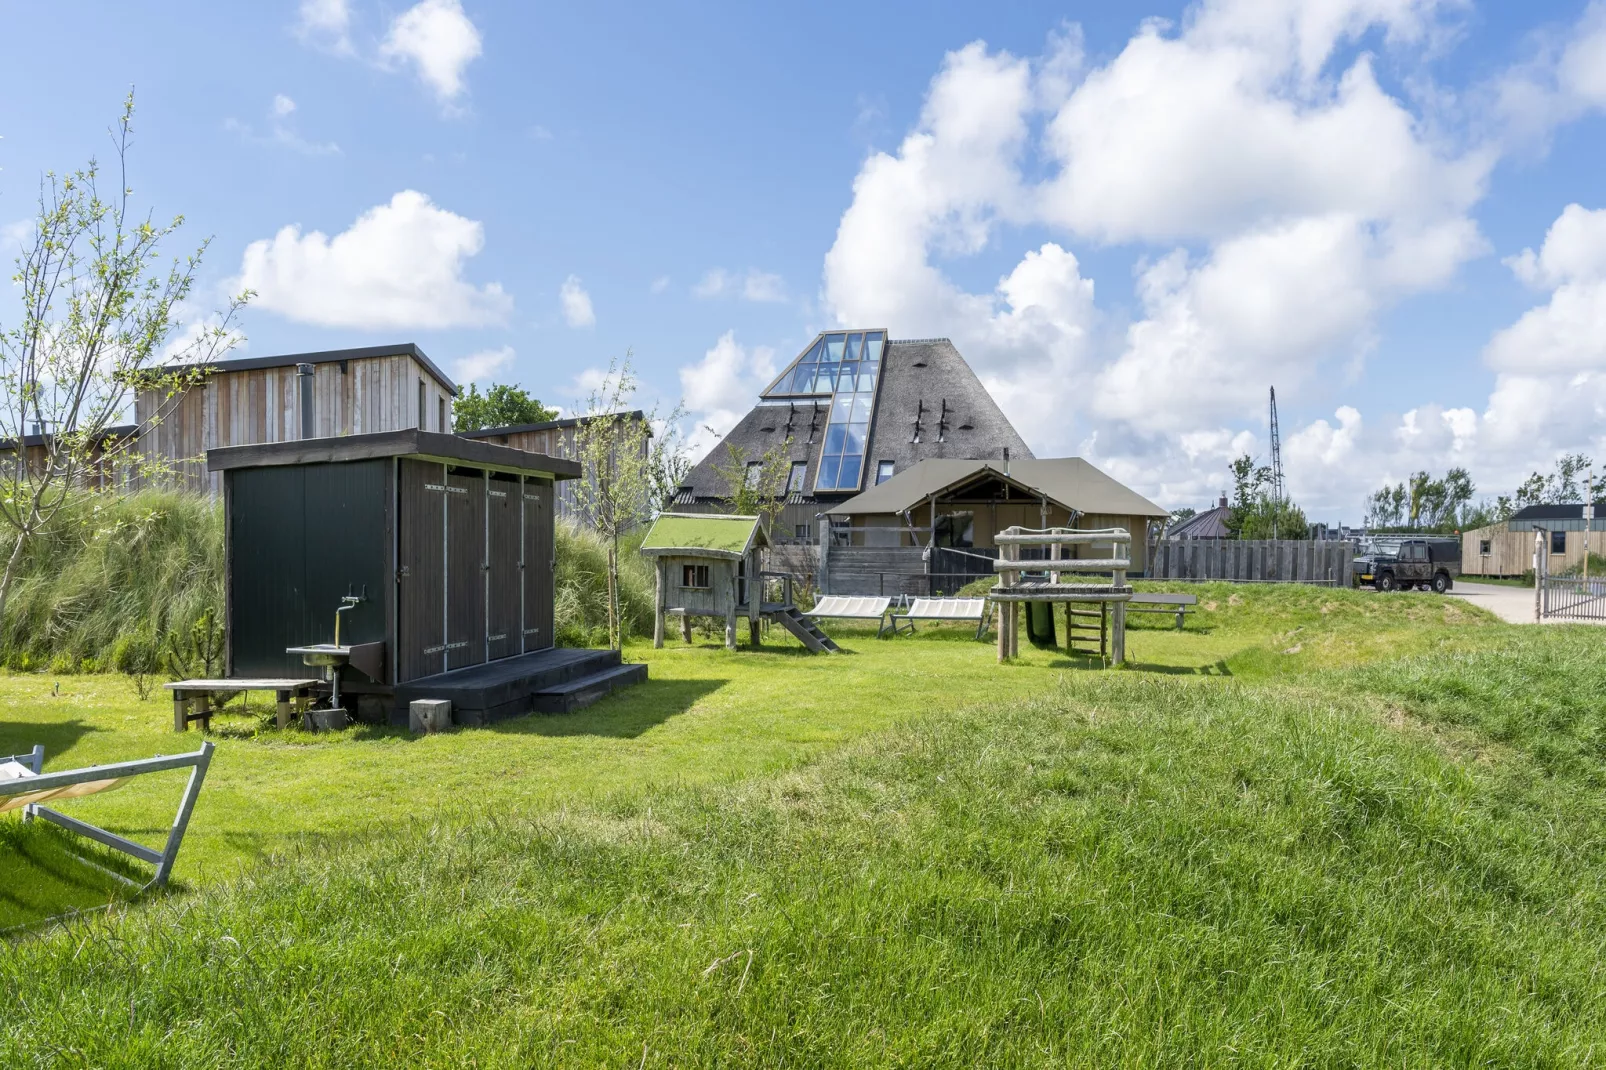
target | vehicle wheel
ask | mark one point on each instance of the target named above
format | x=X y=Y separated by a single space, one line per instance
x=1441 y=583
x=1386 y=582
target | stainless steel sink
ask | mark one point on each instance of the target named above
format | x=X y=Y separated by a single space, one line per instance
x=322 y=654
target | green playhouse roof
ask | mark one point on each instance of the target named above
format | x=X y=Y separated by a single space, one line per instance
x=706 y=534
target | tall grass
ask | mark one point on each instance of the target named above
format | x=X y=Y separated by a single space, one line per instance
x=581 y=587
x=113 y=576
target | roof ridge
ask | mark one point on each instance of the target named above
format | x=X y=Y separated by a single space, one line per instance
x=916 y=341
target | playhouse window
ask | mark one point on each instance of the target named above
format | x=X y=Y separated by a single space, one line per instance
x=694 y=577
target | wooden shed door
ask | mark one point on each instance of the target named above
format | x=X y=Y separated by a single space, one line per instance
x=537 y=564
x=502 y=579
x=420 y=589
x=465 y=568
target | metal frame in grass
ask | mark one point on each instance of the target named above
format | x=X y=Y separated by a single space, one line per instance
x=47 y=785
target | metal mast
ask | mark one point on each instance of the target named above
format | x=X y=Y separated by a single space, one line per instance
x=1276 y=467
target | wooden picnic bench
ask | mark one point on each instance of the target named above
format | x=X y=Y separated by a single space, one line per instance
x=1163 y=603
x=192 y=699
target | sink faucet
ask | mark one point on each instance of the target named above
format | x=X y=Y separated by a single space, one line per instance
x=349 y=602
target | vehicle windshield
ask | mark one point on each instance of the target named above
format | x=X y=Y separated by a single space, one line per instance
x=1388 y=547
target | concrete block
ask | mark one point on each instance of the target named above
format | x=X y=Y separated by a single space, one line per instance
x=429 y=714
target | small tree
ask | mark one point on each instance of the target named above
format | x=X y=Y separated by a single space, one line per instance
x=622 y=473
x=500 y=406
x=1255 y=514
x=755 y=484
x=97 y=309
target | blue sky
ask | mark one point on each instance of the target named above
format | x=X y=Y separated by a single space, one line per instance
x=1333 y=198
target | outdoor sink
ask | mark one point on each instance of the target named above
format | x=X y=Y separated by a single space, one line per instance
x=324 y=654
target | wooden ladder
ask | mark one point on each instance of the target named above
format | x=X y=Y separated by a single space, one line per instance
x=807 y=632
x=1083 y=643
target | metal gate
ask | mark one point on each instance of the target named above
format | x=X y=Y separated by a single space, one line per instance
x=1572 y=598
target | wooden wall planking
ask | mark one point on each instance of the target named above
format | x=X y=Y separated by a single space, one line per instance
x=1252 y=561
x=260 y=405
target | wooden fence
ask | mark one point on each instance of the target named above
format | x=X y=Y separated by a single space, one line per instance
x=1252 y=561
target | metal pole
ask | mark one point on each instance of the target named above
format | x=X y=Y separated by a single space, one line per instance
x=1539 y=578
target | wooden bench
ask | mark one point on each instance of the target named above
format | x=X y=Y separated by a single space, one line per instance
x=24 y=785
x=1163 y=603
x=192 y=699
x=963 y=610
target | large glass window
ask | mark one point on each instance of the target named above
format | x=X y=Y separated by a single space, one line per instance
x=846 y=366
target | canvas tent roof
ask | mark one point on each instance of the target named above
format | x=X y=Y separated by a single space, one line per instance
x=1067 y=481
x=702 y=535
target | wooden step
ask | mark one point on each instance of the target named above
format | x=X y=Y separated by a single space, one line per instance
x=578 y=694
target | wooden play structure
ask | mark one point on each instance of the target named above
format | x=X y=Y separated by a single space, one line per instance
x=707 y=566
x=1038 y=581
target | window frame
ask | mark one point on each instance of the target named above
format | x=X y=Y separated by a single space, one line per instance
x=798 y=477
x=1562 y=535
x=695 y=572
x=1484 y=547
x=891 y=469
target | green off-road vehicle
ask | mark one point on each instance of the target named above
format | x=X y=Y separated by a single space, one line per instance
x=1403 y=564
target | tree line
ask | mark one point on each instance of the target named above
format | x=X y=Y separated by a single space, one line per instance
x=1445 y=504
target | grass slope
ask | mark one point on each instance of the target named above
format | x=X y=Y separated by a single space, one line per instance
x=1321 y=827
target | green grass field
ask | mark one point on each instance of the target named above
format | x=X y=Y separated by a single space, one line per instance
x=1317 y=827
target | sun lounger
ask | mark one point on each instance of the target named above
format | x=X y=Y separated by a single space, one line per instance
x=951 y=609
x=843 y=607
x=24 y=785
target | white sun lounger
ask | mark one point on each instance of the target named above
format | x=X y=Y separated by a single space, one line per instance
x=952 y=609
x=845 y=607
x=24 y=786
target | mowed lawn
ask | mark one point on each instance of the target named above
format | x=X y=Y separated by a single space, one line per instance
x=1322 y=827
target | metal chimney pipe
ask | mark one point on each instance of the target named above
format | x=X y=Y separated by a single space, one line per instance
x=304 y=397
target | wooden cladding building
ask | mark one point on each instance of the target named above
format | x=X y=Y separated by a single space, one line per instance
x=260 y=400
x=447 y=541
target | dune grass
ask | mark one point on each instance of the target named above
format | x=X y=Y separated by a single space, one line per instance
x=1318 y=827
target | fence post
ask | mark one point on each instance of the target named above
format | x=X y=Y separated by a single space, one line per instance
x=1539 y=576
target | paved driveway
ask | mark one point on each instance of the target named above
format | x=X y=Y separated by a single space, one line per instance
x=1514 y=604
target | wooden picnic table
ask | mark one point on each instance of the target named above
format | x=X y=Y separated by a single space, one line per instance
x=192 y=699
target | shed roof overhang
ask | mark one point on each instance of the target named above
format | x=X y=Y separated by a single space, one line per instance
x=410 y=442
x=728 y=537
x=981 y=485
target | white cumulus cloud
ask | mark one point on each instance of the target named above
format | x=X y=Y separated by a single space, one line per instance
x=439 y=41
x=399 y=264
x=718 y=390
x=480 y=366
x=576 y=303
